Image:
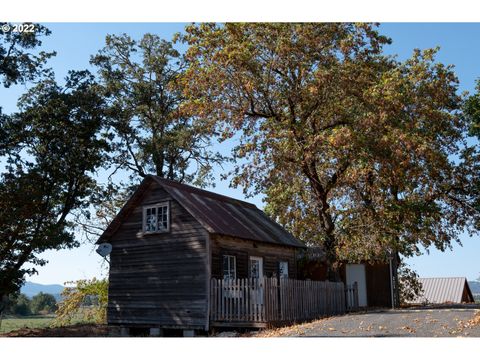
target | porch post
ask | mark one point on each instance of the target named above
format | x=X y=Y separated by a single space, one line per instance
x=390 y=258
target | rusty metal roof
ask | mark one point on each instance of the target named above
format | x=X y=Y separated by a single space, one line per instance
x=442 y=290
x=218 y=214
x=228 y=216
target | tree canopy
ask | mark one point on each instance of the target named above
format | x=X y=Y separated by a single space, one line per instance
x=472 y=111
x=153 y=135
x=17 y=63
x=355 y=150
x=16 y=304
x=470 y=156
x=51 y=149
x=43 y=303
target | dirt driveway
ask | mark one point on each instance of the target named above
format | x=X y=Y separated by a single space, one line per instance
x=420 y=322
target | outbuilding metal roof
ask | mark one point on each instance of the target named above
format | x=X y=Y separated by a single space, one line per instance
x=442 y=290
x=218 y=214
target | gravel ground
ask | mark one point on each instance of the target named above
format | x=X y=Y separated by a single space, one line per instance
x=423 y=322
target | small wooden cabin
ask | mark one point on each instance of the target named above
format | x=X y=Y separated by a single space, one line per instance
x=170 y=240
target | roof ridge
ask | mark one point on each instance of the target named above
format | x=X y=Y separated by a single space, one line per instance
x=199 y=191
x=444 y=277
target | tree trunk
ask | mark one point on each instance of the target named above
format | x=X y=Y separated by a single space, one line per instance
x=158 y=160
x=3 y=305
x=4 y=300
x=330 y=242
x=330 y=251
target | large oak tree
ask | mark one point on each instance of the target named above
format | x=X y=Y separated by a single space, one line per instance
x=50 y=150
x=354 y=150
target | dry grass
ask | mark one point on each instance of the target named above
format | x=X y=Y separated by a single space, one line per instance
x=79 y=330
x=32 y=322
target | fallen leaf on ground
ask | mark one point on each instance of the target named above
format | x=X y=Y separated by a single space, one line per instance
x=408 y=328
x=475 y=321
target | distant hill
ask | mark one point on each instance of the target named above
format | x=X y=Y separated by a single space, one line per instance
x=474 y=286
x=31 y=289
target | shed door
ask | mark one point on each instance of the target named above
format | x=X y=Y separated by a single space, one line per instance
x=356 y=273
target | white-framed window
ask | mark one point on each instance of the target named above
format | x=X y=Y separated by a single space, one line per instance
x=283 y=269
x=229 y=267
x=156 y=218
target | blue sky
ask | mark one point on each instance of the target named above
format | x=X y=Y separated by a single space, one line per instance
x=75 y=42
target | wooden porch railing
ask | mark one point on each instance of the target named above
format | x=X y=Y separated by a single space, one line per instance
x=270 y=300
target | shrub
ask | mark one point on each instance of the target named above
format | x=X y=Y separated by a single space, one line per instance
x=86 y=301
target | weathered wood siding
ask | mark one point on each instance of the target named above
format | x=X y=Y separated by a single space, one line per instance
x=159 y=279
x=243 y=249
